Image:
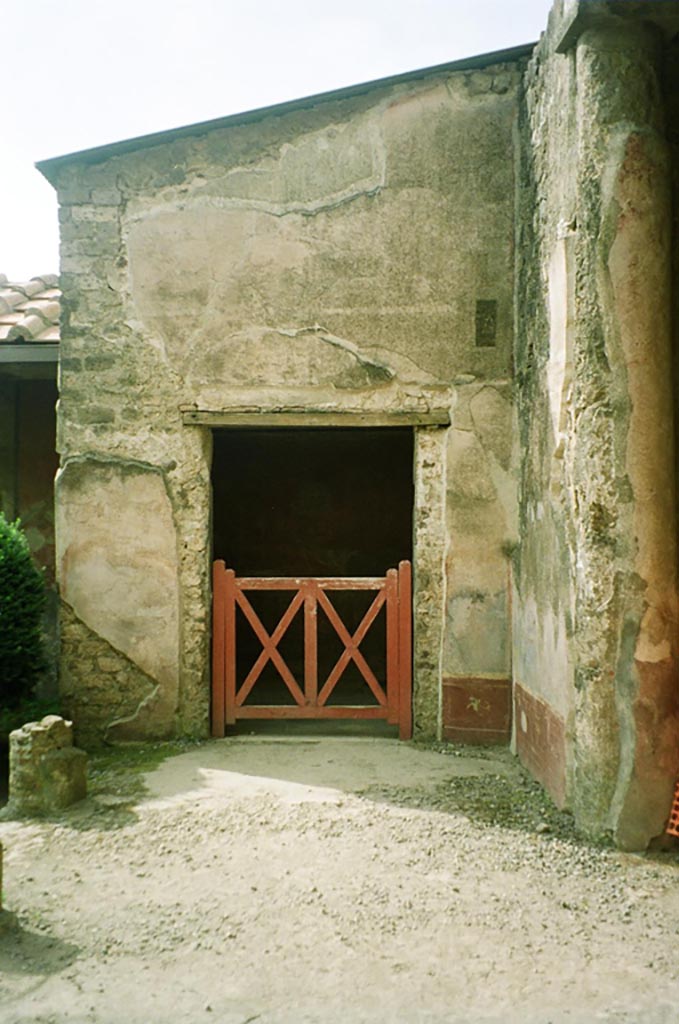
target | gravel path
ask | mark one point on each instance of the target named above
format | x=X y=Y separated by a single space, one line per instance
x=285 y=880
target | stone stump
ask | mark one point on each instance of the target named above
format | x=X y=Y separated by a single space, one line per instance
x=46 y=772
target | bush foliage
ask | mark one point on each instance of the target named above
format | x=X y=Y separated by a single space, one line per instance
x=22 y=602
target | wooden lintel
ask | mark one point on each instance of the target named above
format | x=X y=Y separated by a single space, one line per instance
x=315 y=418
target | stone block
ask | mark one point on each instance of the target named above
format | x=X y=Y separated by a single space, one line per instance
x=46 y=772
x=64 y=777
x=95 y=214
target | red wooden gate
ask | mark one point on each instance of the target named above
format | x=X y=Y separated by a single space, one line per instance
x=391 y=694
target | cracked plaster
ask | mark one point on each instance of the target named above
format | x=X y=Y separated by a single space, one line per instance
x=328 y=260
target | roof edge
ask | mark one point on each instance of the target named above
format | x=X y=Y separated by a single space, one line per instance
x=49 y=168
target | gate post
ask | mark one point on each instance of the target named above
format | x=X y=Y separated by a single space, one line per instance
x=230 y=646
x=218 y=649
x=405 y=645
x=393 y=678
x=310 y=642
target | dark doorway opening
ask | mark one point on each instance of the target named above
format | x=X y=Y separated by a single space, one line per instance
x=312 y=502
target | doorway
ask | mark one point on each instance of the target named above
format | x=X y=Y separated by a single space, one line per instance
x=321 y=503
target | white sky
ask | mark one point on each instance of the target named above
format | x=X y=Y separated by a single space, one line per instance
x=82 y=73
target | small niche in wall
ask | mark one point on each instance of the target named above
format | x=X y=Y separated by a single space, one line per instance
x=486 y=323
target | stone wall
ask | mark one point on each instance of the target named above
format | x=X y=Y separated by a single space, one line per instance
x=351 y=256
x=595 y=610
x=543 y=606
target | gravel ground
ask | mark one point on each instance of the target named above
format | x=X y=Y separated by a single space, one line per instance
x=309 y=880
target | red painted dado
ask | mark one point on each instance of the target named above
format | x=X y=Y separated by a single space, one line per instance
x=541 y=742
x=476 y=709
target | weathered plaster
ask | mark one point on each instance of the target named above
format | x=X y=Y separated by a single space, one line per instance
x=596 y=573
x=256 y=249
x=120 y=585
x=325 y=260
x=639 y=268
x=481 y=526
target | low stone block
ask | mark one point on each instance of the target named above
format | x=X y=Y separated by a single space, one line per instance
x=46 y=772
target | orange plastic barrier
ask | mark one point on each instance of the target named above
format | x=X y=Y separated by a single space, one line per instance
x=673 y=824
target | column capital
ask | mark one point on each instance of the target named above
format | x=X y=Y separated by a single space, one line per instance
x=574 y=17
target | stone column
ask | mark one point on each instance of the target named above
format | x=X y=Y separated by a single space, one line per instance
x=626 y=732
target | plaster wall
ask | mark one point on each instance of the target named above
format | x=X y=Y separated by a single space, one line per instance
x=544 y=563
x=595 y=620
x=354 y=257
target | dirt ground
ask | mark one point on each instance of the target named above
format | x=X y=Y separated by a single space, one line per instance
x=306 y=879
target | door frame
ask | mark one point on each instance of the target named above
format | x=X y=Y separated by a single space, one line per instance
x=430 y=535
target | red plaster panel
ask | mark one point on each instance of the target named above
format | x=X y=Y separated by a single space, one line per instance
x=541 y=742
x=476 y=710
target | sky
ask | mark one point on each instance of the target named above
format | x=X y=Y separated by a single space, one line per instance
x=83 y=73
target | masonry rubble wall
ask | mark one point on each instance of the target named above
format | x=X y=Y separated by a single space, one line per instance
x=352 y=256
x=595 y=624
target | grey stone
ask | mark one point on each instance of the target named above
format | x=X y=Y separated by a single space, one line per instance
x=46 y=772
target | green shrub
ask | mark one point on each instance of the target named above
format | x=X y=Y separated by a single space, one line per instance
x=22 y=601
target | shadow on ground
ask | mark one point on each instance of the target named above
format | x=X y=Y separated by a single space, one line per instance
x=486 y=785
x=312 y=761
x=25 y=949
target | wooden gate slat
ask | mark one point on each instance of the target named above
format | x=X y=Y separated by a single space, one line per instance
x=310 y=642
x=322 y=582
x=330 y=711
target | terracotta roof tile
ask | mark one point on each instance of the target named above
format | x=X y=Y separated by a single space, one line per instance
x=29 y=310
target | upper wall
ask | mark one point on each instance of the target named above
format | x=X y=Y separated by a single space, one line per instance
x=338 y=247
